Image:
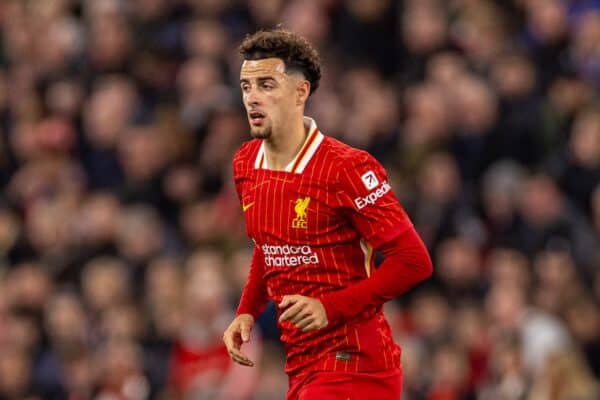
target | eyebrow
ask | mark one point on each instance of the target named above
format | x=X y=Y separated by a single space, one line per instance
x=260 y=78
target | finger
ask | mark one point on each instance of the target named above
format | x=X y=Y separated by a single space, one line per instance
x=291 y=311
x=240 y=358
x=245 y=332
x=285 y=301
x=313 y=326
x=306 y=321
x=289 y=299
x=302 y=314
x=242 y=361
x=228 y=339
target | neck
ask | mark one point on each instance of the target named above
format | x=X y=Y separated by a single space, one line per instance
x=283 y=146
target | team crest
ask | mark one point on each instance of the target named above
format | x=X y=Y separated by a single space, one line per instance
x=300 y=207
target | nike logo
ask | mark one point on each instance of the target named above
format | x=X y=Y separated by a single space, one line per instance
x=245 y=207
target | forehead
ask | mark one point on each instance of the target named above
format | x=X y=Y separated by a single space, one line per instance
x=263 y=67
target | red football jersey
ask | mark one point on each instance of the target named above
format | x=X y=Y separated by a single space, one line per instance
x=315 y=226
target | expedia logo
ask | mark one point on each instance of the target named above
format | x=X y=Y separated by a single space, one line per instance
x=372 y=197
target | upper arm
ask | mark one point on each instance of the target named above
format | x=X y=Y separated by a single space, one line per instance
x=366 y=196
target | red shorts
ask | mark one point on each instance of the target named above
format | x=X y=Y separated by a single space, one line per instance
x=384 y=385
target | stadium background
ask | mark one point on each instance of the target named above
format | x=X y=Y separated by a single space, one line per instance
x=122 y=246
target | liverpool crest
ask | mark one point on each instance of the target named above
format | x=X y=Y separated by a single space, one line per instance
x=300 y=207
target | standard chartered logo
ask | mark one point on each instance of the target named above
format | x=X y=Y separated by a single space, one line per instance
x=288 y=255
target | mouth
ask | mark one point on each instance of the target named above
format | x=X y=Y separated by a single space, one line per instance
x=256 y=117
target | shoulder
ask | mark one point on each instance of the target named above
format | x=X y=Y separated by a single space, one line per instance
x=345 y=156
x=244 y=157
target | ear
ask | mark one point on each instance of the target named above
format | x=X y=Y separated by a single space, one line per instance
x=302 y=91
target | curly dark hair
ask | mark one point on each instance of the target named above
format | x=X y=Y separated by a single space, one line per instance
x=296 y=52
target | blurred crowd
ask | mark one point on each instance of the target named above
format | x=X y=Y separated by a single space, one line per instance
x=122 y=244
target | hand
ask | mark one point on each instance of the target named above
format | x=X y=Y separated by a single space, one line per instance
x=237 y=334
x=306 y=313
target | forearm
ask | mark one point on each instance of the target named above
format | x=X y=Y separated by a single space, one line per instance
x=254 y=297
x=406 y=263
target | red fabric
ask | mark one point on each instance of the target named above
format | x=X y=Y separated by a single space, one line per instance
x=386 y=385
x=406 y=263
x=254 y=296
x=311 y=230
x=187 y=364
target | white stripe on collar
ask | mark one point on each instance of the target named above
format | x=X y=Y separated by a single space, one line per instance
x=309 y=148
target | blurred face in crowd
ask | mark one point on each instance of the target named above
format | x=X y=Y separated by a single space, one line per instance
x=142 y=152
x=547 y=19
x=424 y=28
x=584 y=144
x=514 y=76
x=508 y=267
x=66 y=319
x=270 y=95
x=459 y=262
x=206 y=288
x=450 y=368
x=501 y=185
x=163 y=290
x=266 y=12
x=98 y=218
x=139 y=233
x=583 y=319
x=506 y=305
x=431 y=314
x=107 y=111
x=122 y=322
x=205 y=38
x=427 y=114
x=119 y=362
x=476 y=105
x=22 y=330
x=28 y=285
x=15 y=369
x=307 y=19
x=540 y=200
x=555 y=270
x=104 y=282
x=439 y=178
x=445 y=68
x=163 y=281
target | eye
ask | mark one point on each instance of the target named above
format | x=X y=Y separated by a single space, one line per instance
x=245 y=87
x=268 y=86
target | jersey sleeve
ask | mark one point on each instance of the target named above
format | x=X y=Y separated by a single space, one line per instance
x=366 y=197
x=254 y=297
x=237 y=168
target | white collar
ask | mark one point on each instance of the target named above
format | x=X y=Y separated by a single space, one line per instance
x=307 y=151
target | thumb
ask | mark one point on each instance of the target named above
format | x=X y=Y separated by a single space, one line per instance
x=245 y=331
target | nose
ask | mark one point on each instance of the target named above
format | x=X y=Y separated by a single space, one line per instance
x=252 y=97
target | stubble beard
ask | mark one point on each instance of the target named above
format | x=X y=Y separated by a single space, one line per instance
x=261 y=133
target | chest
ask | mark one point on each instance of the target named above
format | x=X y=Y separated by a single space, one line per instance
x=289 y=208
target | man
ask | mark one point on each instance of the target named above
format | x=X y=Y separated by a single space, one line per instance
x=316 y=210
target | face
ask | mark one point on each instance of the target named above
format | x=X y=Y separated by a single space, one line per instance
x=270 y=95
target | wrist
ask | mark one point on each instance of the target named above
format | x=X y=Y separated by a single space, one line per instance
x=245 y=315
x=329 y=304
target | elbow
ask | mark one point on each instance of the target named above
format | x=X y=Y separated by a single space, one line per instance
x=426 y=266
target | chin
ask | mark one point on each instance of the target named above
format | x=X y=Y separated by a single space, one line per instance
x=263 y=133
